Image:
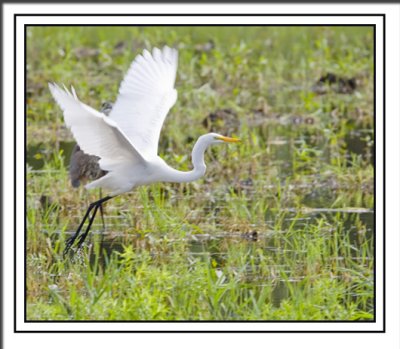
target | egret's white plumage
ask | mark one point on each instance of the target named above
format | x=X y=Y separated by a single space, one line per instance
x=146 y=95
x=127 y=141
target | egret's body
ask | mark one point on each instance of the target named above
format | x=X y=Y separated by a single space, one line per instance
x=127 y=176
x=126 y=142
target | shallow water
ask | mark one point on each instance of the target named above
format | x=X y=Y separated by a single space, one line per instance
x=216 y=248
x=358 y=142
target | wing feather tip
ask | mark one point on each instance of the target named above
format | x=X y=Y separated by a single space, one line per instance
x=53 y=87
x=74 y=93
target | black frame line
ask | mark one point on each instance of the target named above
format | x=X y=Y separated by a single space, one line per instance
x=253 y=2
x=203 y=25
x=201 y=321
x=384 y=170
x=202 y=15
x=375 y=172
x=15 y=173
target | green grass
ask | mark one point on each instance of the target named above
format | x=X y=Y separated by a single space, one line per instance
x=302 y=178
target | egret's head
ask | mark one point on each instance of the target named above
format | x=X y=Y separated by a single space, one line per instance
x=201 y=145
x=214 y=138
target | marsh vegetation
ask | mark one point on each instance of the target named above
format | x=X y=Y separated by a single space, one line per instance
x=282 y=225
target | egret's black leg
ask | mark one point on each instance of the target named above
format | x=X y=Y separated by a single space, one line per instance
x=70 y=241
x=94 y=205
x=85 y=234
x=98 y=204
x=102 y=212
x=102 y=217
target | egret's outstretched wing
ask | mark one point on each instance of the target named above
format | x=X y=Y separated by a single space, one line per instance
x=95 y=133
x=145 y=96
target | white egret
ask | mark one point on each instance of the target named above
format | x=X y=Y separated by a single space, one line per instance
x=127 y=140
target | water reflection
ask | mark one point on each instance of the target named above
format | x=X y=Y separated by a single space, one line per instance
x=280 y=148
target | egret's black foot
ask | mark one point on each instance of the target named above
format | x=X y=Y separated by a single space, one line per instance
x=69 y=243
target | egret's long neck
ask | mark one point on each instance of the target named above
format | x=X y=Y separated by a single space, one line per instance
x=199 y=167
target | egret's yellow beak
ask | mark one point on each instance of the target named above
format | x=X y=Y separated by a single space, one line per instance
x=228 y=139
